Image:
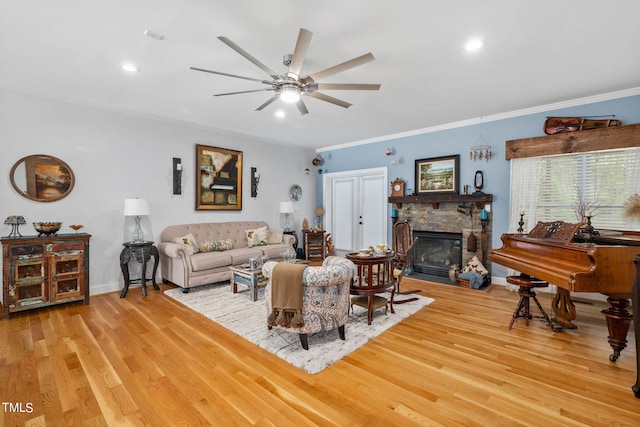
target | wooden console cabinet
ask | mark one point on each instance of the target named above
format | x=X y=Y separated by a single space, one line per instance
x=43 y=271
x=315 y=245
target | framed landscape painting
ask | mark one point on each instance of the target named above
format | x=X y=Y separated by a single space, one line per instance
x=439 y=175
x=218 y=178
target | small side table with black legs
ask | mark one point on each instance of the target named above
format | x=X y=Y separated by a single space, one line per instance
x=142 y=253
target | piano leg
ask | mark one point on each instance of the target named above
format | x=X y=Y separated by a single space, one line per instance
x=636 y=323
x=564 y=309
x=618 y=321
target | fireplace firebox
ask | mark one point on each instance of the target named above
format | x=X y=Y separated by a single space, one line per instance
x=435 y=252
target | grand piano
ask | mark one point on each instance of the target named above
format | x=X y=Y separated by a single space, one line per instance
x=577 y=261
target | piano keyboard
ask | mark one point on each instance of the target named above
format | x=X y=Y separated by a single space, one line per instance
x=222 y=187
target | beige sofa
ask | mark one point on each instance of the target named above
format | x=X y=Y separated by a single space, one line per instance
x=186 y=269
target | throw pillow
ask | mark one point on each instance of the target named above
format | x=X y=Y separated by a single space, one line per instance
x=215 y=245
x=256 y=237
x=274 y=237
x=475 y=265
x=189 y=241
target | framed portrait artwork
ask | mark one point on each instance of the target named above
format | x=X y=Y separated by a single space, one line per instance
x=218 y=178
x=438 y=175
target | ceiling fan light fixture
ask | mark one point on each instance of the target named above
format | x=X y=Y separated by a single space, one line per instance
x=290 y=94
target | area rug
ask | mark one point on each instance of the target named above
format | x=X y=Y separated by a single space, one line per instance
x=249 y=320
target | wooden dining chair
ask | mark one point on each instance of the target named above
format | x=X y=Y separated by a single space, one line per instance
x=403 y=246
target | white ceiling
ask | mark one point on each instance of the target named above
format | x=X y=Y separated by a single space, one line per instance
x=536 y=53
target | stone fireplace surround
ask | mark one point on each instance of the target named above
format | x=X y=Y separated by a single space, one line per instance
x=444 y=217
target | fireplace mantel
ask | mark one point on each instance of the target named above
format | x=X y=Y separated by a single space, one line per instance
x=435 y=199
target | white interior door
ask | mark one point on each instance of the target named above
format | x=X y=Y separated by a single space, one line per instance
x=356 y=208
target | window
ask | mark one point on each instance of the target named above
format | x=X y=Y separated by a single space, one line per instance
x=549 y=188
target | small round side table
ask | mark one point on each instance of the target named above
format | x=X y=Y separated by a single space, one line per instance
x=142 y=253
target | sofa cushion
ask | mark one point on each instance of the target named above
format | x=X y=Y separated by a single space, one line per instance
x=190 y=242
x=208 y=260
x=274 y=236
x=256 y=237
x=233 y=230
x=215 y=245
x=274 y=251
x=242 y=255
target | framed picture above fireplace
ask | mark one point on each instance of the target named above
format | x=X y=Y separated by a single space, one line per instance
x=439 y=175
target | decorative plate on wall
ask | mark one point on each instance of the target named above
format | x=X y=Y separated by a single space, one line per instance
x=295 y=192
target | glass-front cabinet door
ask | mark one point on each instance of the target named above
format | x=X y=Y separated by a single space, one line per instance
x=29 y=283
x=67 y=276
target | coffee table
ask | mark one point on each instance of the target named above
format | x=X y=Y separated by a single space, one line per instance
x=242 y=275
x=253 y=279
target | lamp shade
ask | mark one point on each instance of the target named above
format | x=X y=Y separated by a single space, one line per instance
x=286 y=207
x=136 y=207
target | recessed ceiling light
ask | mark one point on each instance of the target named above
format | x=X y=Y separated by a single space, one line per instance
x=280 y=114
x=474 y=44
x=131 y=68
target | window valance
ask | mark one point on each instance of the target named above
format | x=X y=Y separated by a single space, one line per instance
x=574 y=142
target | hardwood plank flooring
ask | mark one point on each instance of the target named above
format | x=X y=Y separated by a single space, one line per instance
x=153 y=362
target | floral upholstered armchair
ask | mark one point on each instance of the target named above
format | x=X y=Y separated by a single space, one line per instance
x=325 y=296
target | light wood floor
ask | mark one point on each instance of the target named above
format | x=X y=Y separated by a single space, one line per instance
x=150 y=361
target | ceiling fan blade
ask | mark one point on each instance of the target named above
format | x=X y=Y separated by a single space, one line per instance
x=346 y=86
x=248 y=56
x=330 y=99
x=244 y=91
x=301 y=107
x=231 y=75
x=269 y=101
x=299 y=53
x=363 y=59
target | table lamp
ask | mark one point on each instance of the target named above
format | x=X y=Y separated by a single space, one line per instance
x=136 y=208
x=286 y=208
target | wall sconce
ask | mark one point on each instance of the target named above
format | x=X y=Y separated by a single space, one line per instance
x=389 y=152
x=307 y=171
x=177 y=175
x=255 y=179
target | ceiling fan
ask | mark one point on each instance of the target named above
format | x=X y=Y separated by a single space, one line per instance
x=290 y=86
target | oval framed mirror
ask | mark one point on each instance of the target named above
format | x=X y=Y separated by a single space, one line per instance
x=42 y=178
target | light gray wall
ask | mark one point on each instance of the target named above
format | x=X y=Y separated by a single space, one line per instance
x=115 y=156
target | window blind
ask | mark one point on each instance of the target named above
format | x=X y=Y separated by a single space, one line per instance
x=570 y=184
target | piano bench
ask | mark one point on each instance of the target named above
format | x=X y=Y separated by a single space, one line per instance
x=527 y=292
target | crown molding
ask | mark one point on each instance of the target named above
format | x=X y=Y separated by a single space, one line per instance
x=484 y=119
